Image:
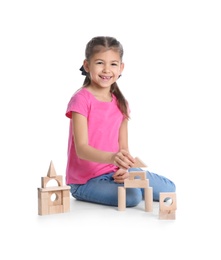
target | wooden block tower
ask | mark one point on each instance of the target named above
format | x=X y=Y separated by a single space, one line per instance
x=56 y=199
x=137 y=179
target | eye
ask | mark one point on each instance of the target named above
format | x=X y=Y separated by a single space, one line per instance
x=99 y=62
x=114 y=64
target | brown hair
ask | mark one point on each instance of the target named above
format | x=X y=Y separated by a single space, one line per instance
x=97 y=44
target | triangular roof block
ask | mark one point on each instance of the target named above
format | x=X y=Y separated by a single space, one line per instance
x=51 y=171
x=139 y=163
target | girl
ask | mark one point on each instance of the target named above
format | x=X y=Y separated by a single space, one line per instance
x=98 y=155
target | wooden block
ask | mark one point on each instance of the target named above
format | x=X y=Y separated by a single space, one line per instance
x=139 y=163
x=166 y=196
x=43 y=200
x=51 y=171
x=66 y=192
x=66 y=200
x=148 y=198
x=136 y=183
x=55 y=209
x=168 y=205
x=133 y=174
x=167 y=215
x=55 y=188
x=121 y=198
x=66 y=204
x=45 y=180
x=55 y=198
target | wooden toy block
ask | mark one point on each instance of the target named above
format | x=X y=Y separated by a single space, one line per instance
x=168 y=205
x=43 y=199
x=148 y=198
x=141 y=175
x=121 y=198
x=136 y=183
x=56 y=199
x=45 y=180
x=139 y=163
x=51 y=171
x=136 y=180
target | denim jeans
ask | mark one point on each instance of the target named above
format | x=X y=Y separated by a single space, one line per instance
x=103 y=189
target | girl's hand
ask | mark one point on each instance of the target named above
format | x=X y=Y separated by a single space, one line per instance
x=120 y=175
x=123 y=159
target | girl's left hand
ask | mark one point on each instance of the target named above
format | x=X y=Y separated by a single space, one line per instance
x=120 y=175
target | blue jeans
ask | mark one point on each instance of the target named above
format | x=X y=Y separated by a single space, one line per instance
x=103 y=189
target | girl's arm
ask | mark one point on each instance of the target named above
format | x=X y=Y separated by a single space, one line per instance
x=120 y=175
x=123 y=135
x=89 y=153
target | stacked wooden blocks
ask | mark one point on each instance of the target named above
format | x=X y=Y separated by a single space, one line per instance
x=56 y=199
x=137 y=179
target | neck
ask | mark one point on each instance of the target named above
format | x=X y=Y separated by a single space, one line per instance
x=102 y=94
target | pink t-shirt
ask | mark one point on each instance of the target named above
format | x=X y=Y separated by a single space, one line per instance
x=104 y=120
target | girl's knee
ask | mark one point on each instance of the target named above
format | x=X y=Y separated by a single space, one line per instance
x=133 y=197
x=169 y=187
x=172 y=187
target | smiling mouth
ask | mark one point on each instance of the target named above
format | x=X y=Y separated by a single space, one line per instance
x=105 y=77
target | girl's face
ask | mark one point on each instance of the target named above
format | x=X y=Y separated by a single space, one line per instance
x=104 y=68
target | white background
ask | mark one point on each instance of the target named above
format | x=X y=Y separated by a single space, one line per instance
x=172 y=81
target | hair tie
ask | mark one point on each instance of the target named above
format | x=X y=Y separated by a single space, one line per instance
x=83 y=71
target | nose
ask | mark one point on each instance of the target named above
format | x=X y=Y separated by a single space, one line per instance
x=106 y=68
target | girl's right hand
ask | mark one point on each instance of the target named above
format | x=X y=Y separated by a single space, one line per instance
x=123 y=159
x=120 y=175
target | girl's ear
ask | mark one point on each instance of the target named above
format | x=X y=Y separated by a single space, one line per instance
x=86 y=66
x=121 y=67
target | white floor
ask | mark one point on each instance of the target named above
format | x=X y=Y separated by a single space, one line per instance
x=91 y=231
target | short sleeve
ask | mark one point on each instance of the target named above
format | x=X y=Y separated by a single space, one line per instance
x=78 y=103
